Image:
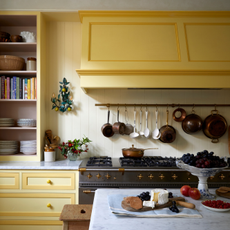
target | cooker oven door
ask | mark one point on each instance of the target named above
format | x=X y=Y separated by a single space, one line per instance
x=86 y=195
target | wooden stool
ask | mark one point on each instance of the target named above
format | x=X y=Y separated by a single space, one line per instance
x=76 y=216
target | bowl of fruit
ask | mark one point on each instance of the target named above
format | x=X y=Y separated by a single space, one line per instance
x=203 y=165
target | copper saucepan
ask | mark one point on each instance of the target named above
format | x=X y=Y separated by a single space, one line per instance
x=168 y=133
x=192 y=123
x=214 y=126
x=134 y=152
x=119 y=127
x=107 y=128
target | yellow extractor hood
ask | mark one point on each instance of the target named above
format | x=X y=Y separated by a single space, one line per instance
x=148 y=49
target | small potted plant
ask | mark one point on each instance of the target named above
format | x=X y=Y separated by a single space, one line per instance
x=73 y=149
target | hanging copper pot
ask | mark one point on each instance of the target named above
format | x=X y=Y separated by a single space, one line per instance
x=214 y=126
x=119 y=127
x=168 y=133
x=192 y=123
x=107 y=128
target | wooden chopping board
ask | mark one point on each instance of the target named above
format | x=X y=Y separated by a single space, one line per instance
x=225 y=195
x=127 y=207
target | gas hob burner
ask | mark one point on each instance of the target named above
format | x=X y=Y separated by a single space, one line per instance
x=99 y=161
x=148 y=161
x=133 y=161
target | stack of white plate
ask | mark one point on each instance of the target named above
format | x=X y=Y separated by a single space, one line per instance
x=6 y=122
x=28 y=147
x=8 y=147
x=26 y=122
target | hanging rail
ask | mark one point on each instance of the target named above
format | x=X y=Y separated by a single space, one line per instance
x=166 y=105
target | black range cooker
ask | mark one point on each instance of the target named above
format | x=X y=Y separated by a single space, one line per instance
x=145 y=172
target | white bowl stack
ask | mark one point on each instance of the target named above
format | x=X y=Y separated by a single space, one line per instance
x=6 y=122
x=8 y=147
x=26 y=122
x=28 y=147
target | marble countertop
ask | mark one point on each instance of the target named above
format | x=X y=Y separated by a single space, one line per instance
x=41 y=165
x=103 y=218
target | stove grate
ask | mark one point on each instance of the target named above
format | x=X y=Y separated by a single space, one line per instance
x=99 y=161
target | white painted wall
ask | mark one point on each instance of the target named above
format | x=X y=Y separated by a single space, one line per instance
x=63 y=58
x=74 y=5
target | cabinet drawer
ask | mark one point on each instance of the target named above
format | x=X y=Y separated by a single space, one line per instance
x=35 y=225
x=9 y=180
x=34 y=204
x=48 y=181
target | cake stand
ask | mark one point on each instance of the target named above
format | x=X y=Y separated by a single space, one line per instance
x=203 y=174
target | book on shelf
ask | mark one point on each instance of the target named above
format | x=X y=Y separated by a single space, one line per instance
x=25 y=89
x=20 y=88
x=29 y=88
x=32 y=87
x=35 y=90
x=11 y=88
x=8 y=87
x=14 y=86
x=17 y=87
x=3 y=87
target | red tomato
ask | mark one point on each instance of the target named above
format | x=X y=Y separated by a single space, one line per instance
x=185 y=190
x=194 y=193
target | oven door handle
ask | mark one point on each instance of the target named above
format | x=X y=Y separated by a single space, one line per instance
x=88 y=191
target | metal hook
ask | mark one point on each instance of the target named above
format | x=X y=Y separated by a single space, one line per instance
x=125 y=108
x=134 y=107
x=156 y=108
x=141 y=108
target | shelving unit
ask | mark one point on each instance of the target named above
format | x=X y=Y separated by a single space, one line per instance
x=14 y=23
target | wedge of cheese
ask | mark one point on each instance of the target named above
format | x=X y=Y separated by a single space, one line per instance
x=159 y=196
x=148 y=203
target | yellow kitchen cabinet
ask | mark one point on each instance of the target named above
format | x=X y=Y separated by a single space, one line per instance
x=150 y=49
x=35 y=198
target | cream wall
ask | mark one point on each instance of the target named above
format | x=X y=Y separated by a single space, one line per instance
x=63 y=58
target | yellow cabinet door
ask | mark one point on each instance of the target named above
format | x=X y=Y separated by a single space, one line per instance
x=9 y=180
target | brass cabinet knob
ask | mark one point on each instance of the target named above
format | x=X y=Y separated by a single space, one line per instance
x=114 y=178
x=98 y=175
x=49 y=182
x=140 y=176
x=151 y=176
x=189 y=178
x=222 y=176
x=211 y=177
x=107 y=176
x=48 y=205
x=174 y=176
x=162 y=176
x=89 y=175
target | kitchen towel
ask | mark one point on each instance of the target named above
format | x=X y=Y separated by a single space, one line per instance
x=114 y=202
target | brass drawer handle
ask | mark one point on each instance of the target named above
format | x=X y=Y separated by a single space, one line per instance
x=48 y=205
x=87 y=191
x=49 y=182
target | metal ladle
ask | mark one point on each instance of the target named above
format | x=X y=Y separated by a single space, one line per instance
x=134 y=134
x=141 y=132
x=156 y=132
x=146 y=131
